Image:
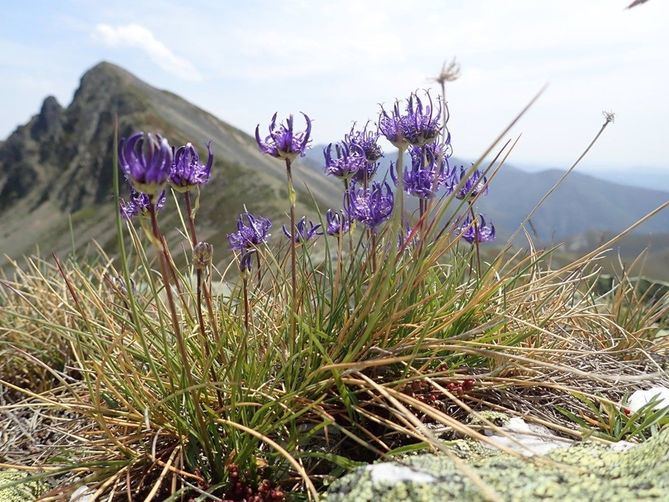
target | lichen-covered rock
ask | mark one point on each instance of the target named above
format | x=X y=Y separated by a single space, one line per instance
x=12 y=489
x=583 y=471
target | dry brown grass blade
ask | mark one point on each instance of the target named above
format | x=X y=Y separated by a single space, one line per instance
x=485 y=490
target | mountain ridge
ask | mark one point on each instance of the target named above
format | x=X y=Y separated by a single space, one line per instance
x=60 y=163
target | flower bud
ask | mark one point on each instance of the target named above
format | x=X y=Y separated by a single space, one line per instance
x=202 y=254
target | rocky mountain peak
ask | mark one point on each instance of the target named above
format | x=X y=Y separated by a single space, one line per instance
x=49 y=121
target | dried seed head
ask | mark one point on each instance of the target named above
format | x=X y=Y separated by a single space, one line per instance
x=202 y=254
x=450 y=71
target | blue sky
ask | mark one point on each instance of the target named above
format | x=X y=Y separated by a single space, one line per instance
x=338 y=60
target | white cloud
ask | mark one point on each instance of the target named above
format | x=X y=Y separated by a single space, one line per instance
x=140 y=37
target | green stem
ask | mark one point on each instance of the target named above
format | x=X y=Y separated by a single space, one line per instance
x=205 y=289
x=399 y=167
x=181 y=346
x=293 y=255
x=476 y=241
x=246 y=301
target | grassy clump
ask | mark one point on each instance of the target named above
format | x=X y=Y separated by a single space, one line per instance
x=378 y=351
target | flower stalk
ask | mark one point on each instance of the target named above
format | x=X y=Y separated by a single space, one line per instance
x=293 y=253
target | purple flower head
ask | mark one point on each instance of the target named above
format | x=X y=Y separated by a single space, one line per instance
x=407 y=238
x=428 y=173
x=476 y=231
x=187 y=170
x=138 y=204
x=393 y=126
x=338 y=223
x=418 y=125
x=474 y=185
x=249 y=235
x=304 y=230
x=283 y=142
x=348 y=161
x=424 y=124
x=370 y=207
x=146 y=161
x=367 y=172
x=367 y=141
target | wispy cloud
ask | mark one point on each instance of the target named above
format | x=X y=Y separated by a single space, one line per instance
x=140 y=37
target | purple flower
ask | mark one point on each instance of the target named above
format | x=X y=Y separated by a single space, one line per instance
x=138 y=204
x=338 y=223
x=283 y=142
x=424 y=124
x=146 y=161
x=370 y=207
x=304 y=230
x=348 y=161
x=367 y=141
x=249 y=235
x=476 y=231
x=418 y=125
x=187 y=170
x=393 y=126
x=409 y=237
x=428 y=173
x=474 y=185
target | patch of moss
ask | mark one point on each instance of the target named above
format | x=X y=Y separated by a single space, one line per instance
x=16 y=486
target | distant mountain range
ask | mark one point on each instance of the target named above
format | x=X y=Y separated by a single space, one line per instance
x=582 y=203
x=59 y=165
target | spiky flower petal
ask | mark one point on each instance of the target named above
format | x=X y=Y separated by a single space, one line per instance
x=252 y=231
x=418 y=125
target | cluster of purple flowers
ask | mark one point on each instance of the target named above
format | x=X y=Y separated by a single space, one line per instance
x=338 y=223
x=472 y=186
x=138 y=204
x=415 y=126
x=148 y=163
x=187 y=171
x=348 y=162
